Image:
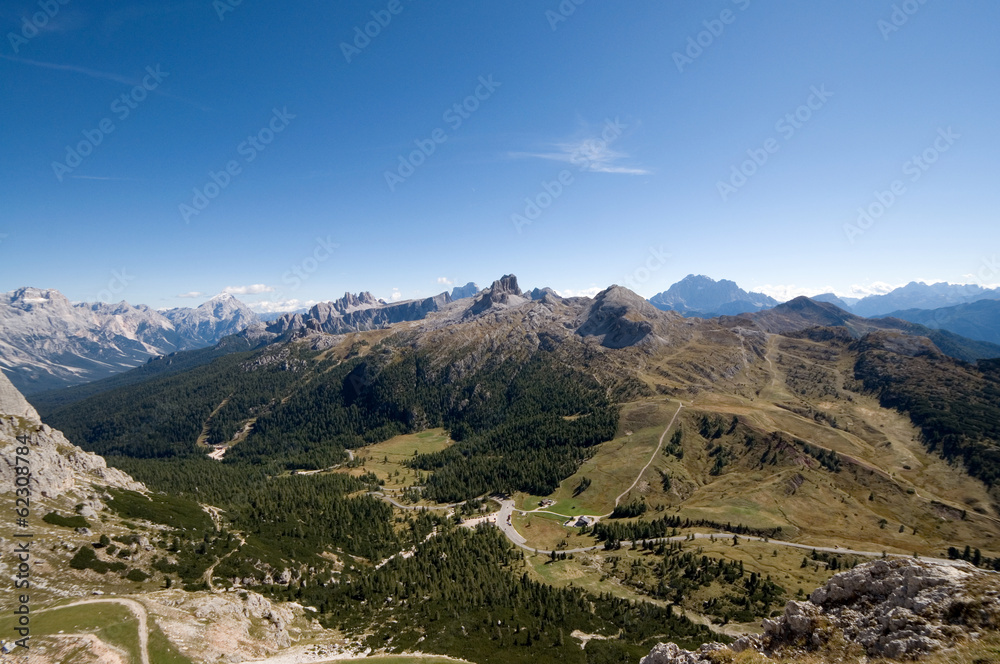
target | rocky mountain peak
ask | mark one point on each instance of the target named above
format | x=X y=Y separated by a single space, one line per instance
x=619 y=318
x=699 y=295
x=28 y=299
x=351 y=302
x=462 y=292
x=542 y=293
x=507 y=284
x=503 y=293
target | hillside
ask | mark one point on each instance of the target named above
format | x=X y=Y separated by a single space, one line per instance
x=803 y=313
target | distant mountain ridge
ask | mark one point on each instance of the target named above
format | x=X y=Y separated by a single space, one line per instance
x=976 y=320
x=703 y=297
x=919 y=295
x=462 y=292
x=354 y=313
x=803 y=313
x=47 y=342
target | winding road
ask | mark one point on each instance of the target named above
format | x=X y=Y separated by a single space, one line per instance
x=507 y=508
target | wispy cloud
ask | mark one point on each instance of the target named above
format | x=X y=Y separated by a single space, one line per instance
x=590 y=155
x=92 y=73
x=582 y=292
x=253 y=289
x=590 y=150
x=874 y=288
x=281 y=306
x=102 y=76
x=396 y=295
x=104 y=178
x=192 y=294
x=445 y=281
x=785 y=292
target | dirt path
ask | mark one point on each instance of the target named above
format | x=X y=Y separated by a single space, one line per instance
x=207 y=576
x=137 y=609
x=659 y=446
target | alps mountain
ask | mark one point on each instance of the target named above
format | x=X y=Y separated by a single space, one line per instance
x=353 y=313
x=700 y=296
x=47 y=342
x=918 y=295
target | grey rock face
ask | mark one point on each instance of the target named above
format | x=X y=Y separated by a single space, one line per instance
x=540 y=293
x=502 y=294
x=13 y=403
x=207 y=324
x=357 y=313
x=57 y=466
x=898 y=609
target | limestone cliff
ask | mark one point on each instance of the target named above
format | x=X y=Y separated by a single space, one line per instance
x=57 y=466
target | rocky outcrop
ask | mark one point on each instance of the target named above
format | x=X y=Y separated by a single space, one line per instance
x=57 y=466
x=13 y=402
x=671 y=653
x=895 y=609
x=541 y=293
x=504 y=293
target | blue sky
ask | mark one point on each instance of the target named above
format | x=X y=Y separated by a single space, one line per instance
x=158 y=149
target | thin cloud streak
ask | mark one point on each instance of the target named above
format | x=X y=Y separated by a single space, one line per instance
x=102 y=76
x=590 y=155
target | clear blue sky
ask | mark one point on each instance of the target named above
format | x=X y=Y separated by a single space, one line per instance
x=643 y=191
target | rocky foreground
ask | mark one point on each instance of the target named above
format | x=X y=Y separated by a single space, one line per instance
x=57 y=466
x=896 y=609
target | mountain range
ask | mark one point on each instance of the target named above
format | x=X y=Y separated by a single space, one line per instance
x=701 y=296
x=804 y=313
x=918 y=295
x=975 y=320
x=47 y=342
x=963 y=309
